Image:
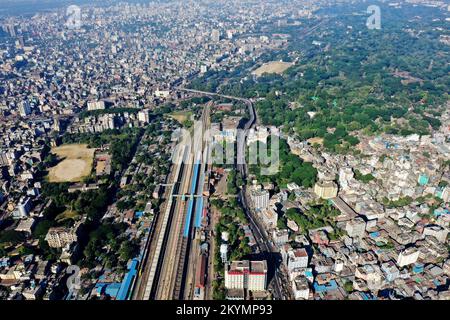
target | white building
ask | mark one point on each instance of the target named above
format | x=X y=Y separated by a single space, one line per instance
x=215 y=35
x=326 y=189
x=24 y=109
x=269 y=218
x=24 y=207
x=407 y=257
x=96 y=105
x=280 y=237
x=144 y=116
x=440 y=233
x=259 y=135
x=224 y=252
x=260 y=199
x=250 y=275
x=300 y=288
x=297 y=258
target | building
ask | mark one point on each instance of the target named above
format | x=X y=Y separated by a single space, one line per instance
x=144 y=116
x=215 y=35
x=26 y=225
x=250 y=275
x=60 y=237
x=407 y=257
x=300 y=288
x=355 y=228
x=224 y=252
x=440 y=233
x=280 y=237
x=24 y=109
x=390 y=270
x=96 y=105
x=297 y=258
x=446 y=194
x=4 y=161
x=259 y=135
x=326 y=189
x=24 y=207
x=269 y=218
x=260 y=199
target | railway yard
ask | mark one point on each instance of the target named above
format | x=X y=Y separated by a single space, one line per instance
x=178 y=245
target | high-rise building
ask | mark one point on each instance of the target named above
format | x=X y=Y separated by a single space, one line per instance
x=250 y=275
x=300 y=288
x=297 y=258
x=224 y=252
x=96 y=105
x=144 y=116
x=59 y=237
x=355 y=228
x=260 y=199
x=24 y=207
x=215 y=35
x=326 y=189
x=4 y=161
x=24 y=109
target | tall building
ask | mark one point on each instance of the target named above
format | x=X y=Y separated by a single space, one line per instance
x=446 y=194
x=250 y=275
x=300 y=288
x=144 y=116
x=96 y=105
x=24 y=207
x=215 y=35
x=297 y=258
x=4 y=161
x=24 y=109
x=355 y=228
x=408 y=256
x=59 y=237
x=326 y=189
x=260 y=199
x=224 y=252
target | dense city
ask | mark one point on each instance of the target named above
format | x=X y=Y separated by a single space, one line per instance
x=134 y=161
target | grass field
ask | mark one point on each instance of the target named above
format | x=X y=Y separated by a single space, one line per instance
x=180 y=116
x=277 y=67
x=68 y=214
x=77 y=160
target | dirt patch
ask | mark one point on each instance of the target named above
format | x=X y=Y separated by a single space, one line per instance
x=317 y=140
x=76 y=164
x=181 y=116
x=277 y=67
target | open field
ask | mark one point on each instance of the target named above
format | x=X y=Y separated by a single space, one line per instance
x=68 y=214
x=180 y=116
x=316 y=140
x=277 y=67
x=76 y=164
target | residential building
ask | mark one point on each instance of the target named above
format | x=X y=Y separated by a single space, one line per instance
x=326 y=189
x=250 y=275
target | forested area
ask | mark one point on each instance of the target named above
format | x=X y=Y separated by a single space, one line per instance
x=291 y=169
x=355 y=80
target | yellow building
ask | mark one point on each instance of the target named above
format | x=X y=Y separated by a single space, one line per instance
x=326 y=189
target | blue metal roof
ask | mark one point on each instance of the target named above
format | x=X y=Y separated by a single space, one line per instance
x=128 y=280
